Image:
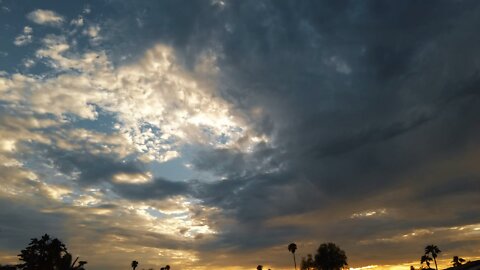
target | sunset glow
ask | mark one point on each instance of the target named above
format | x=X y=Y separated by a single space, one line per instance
x=208 y=134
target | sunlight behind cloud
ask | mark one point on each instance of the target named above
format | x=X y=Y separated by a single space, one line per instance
x=211 y=135
x=370 y=213
x=132 y=178
x=158 y=105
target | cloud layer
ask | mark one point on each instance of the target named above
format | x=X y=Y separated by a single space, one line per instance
x=351 y=122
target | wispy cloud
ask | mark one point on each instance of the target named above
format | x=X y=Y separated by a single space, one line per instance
x=45 y=17
x=24 y=38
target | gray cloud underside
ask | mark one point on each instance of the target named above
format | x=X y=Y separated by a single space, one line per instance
x=405 y=105
x=371 y=104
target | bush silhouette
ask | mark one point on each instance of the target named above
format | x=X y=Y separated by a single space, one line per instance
x=48 y=254
x=329 y=257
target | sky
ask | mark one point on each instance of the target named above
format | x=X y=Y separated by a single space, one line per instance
x=211 y=134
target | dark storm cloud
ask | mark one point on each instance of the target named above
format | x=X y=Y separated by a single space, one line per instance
x=91 y=168
x=359 y=97
x=157 y=189
x=338 y=146
x=368 y=104
x=234 y=163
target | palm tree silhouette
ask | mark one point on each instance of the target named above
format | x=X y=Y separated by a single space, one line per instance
x=134 y=264
x=426 y=259
x=433 y=250
x=292 y=247
x=457 y=261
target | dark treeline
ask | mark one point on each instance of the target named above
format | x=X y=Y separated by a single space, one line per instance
x=49 y=253
x=328 y=257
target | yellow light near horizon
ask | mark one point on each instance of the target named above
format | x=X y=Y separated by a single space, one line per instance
x=364 y=267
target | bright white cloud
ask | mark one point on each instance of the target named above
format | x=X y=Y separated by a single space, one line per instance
x=45 y=17
x=159 y=106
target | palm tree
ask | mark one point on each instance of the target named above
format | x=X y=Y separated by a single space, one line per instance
x=292 y=247
x=457 y=261
x=66 y=263
x=134 y=264
x=434 y=250
x=330 y=257
x=426 y=259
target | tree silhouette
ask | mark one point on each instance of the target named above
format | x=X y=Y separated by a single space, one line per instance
x=292 y=248
x=307 y=263
x=457 y=261
x=434 y=251
x=426 y=259
x=167 y=267
x=47 y=253
x=8 y=267
x=134 y=264
x=68 y=265
x=259 y=267
x=330 y=257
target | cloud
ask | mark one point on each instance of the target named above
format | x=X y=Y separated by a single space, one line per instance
x=93 y=32
x=16 y=220
x=45 y=17
x=25 y=38
x=351 y=116
x=158 y=189
x=308 y=133
x=79 y=21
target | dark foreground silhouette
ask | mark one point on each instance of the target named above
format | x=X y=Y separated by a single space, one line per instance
x=328 y=257
x=49 y=253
